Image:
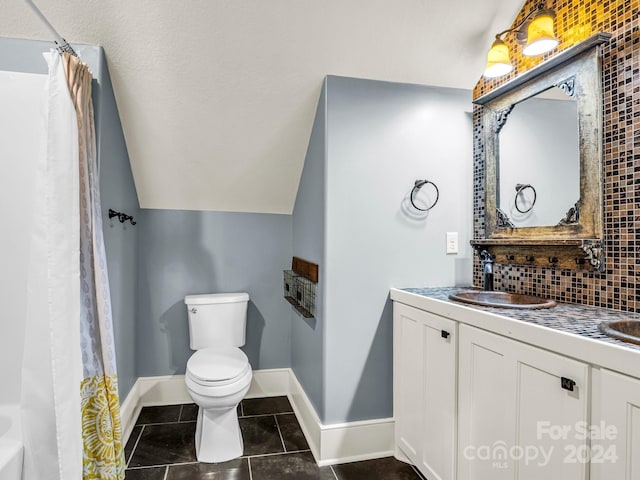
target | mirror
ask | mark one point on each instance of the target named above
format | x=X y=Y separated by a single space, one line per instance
x=542 y=147
x=539 y=159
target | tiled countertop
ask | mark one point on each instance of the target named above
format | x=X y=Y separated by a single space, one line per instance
x=567 y=329
x=567 y=317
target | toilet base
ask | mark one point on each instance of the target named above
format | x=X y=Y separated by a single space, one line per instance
x=218 y=436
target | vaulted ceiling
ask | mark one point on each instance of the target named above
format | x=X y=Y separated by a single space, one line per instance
x=217 y=97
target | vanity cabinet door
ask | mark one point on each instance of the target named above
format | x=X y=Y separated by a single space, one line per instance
x=520 y=410
x=425 y=390
x=615 y=432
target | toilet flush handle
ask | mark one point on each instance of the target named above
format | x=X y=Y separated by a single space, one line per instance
x=194 y=310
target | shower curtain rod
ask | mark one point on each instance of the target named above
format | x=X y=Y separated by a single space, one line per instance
x=63 y=45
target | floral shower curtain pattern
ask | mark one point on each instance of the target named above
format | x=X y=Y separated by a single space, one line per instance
x=103 y=456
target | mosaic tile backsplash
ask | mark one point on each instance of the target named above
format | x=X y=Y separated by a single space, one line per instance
x=619 y=286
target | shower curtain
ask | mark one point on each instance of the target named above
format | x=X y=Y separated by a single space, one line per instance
x=70 y=405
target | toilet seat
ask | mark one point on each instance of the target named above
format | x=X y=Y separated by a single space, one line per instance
x=217 y=367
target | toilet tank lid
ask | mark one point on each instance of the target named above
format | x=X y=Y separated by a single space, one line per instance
x=213 y=298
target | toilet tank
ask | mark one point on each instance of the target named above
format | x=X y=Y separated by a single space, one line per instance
x=217 y=319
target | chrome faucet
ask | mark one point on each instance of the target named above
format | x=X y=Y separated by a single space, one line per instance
x=487 y=270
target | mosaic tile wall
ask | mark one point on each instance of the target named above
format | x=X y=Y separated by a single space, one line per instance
x=619 y=286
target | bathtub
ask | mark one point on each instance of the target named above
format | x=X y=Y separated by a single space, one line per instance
x=10 y=443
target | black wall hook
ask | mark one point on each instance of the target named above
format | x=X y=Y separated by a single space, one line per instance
x=123 y=217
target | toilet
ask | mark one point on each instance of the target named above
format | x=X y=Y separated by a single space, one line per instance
x=218 y=374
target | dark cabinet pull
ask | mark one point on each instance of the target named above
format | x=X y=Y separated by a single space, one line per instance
x=567 y=383
x=444 y=334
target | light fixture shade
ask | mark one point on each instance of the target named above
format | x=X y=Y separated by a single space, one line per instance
x=498 y=61
x=540 y=36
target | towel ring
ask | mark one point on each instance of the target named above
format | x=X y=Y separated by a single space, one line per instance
x=520 y=187
x=416 y=187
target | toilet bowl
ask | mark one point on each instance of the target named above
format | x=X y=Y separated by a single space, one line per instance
x=217 y=379
x=218 y=374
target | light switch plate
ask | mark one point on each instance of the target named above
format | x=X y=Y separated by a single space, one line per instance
x=452 y=242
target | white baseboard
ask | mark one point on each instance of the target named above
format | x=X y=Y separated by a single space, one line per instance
x=344 y=442
x=149 y=392
x=306 y=415
x=167 y=390
x=129 y=411
x=355 y=441
x=269 y=383
x=330 y=444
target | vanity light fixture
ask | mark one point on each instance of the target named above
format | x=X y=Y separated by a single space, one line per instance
x=535 y=32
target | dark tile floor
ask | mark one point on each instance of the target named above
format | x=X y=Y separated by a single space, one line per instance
x=161 y=447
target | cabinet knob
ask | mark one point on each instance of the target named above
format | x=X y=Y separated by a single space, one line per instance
x=444 y=334
x=567 y=383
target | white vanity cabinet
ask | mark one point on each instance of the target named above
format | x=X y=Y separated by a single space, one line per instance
x=615 y=446
x=425 y=359
x=506 y=397
x=520 y=410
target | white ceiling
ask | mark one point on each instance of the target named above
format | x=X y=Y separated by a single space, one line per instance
x=217 y=97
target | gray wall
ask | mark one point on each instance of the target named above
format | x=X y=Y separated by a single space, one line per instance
x=187 y=252
x=116 y=188
x=118 y=192
x=308 y=243
x=381 y=137
x=370 y=142
x=17 y=55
